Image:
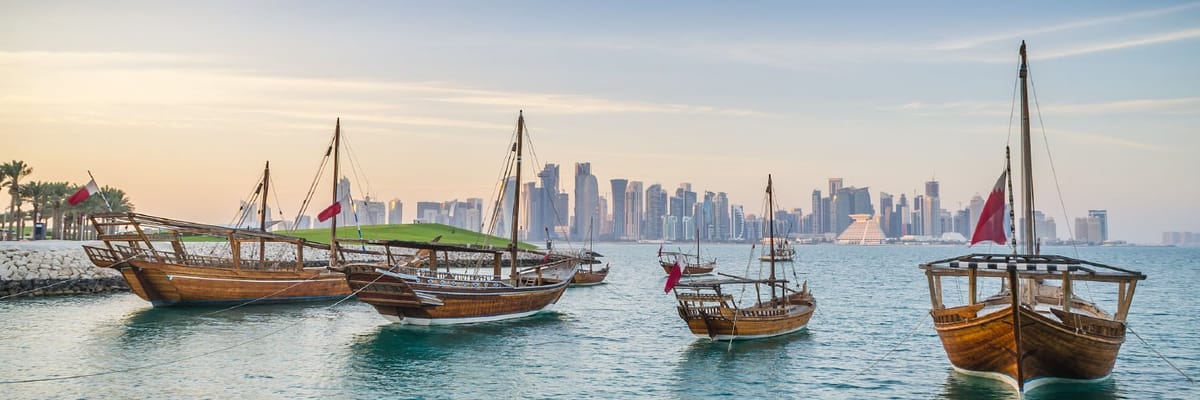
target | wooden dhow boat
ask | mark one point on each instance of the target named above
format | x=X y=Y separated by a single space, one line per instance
x=690 y=264
x=712 y=307
x=1031 y=332
x=241 y=266
x=150 y=254
x=438 y=284
x=778 y=249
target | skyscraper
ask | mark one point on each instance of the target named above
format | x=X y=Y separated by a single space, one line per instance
x=656 y=209
x=817 y=212
x=587 y=199
x=931 y=217
x=886 y=214
x=395 y=212
x=738 y=220
x=1102 y=218
x=721 y=211
x=618 y=208
x=633 y=210
x=847 y=201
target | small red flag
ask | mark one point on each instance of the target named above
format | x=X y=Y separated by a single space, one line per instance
x=673 y=277
x=84 y=192
x=990 y=226
x=331 y=211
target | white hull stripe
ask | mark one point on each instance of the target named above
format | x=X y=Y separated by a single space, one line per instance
x=173 y=277
x=1030 y=384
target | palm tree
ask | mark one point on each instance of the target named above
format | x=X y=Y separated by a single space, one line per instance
x=59 y=191
x=4 y=182
x=36 y=193
x=15 y=170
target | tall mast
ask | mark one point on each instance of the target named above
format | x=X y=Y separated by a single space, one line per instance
x=771 y=229
x=262 y=213
x=337 y=138
x=517 y=196
x=1026 y=160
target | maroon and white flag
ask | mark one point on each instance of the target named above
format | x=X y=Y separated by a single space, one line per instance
x=990 y=226
x=333 y=210
x=673 y=277
x=84 y=192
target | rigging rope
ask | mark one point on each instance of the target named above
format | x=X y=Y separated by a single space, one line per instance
x=921 y=322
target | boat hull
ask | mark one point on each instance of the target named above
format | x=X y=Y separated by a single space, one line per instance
x=423 y=301
x=165 y=284
x=589 y=277
x=1052 y=351
x=690 y=270
x=724 y=323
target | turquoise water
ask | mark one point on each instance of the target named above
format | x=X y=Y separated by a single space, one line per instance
x=870 y=338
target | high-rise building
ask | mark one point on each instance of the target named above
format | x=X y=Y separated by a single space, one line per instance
x=849 y=200
x=1102 y=218
x=835 y=184
x=738 y=222
x=976 y=208
x=604 y=226
x=931 y=211
x=656 y=210
x=428 y=212
x=503 y=222
x=721 y=217
x=618 y=208
x=587 y=199
x=634 y=204
x=1087 y=230
x=885 y=214
x=395 y=212
x=903 y=217
x=817 y=212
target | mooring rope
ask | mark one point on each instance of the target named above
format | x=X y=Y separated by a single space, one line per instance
x=921 y=322
x=1185 y=376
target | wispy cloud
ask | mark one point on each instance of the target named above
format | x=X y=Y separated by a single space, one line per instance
x=1183 y=105
x=973 y=42
x=1122 y=44
x=195 y=73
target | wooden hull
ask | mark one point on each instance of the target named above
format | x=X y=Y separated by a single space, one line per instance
x=587 y=277
x=440 y=301
x=1052 y=350
x=724 y=323
x=165 y=284
x=690 y=270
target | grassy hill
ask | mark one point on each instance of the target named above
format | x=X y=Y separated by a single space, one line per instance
x=412 y=232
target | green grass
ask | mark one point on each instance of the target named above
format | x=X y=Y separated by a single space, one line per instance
x=409 y=232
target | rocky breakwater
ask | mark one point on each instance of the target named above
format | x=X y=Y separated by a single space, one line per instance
x=57 y=267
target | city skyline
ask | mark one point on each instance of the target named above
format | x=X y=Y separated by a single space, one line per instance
x=885 y=96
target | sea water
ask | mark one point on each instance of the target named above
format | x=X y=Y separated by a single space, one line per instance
x=871 y=337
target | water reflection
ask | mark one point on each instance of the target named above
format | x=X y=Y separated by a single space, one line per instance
x=754 y=367
x=962 y=386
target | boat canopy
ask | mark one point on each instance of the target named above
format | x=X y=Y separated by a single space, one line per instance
x=1031 y=266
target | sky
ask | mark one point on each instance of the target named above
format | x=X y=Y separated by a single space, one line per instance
x=181 y=103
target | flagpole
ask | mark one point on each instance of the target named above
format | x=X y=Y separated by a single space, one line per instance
x=102 y=196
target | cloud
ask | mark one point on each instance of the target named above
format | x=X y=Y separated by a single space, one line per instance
x=1122 y=44
x=1183 y=105
x=1117 y=142
x=973 y=42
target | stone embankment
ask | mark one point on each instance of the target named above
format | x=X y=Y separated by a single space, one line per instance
x=61 y=267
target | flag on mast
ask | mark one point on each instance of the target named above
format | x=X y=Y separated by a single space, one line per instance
x=990 y=226
x=331 y=211
x=84 y=192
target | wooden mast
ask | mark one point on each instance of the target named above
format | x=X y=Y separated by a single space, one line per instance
x=262 y=214
x=1026 y=160
x=517 y=198
x=771 y=229
x=1027 y=205
x=337 y=137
